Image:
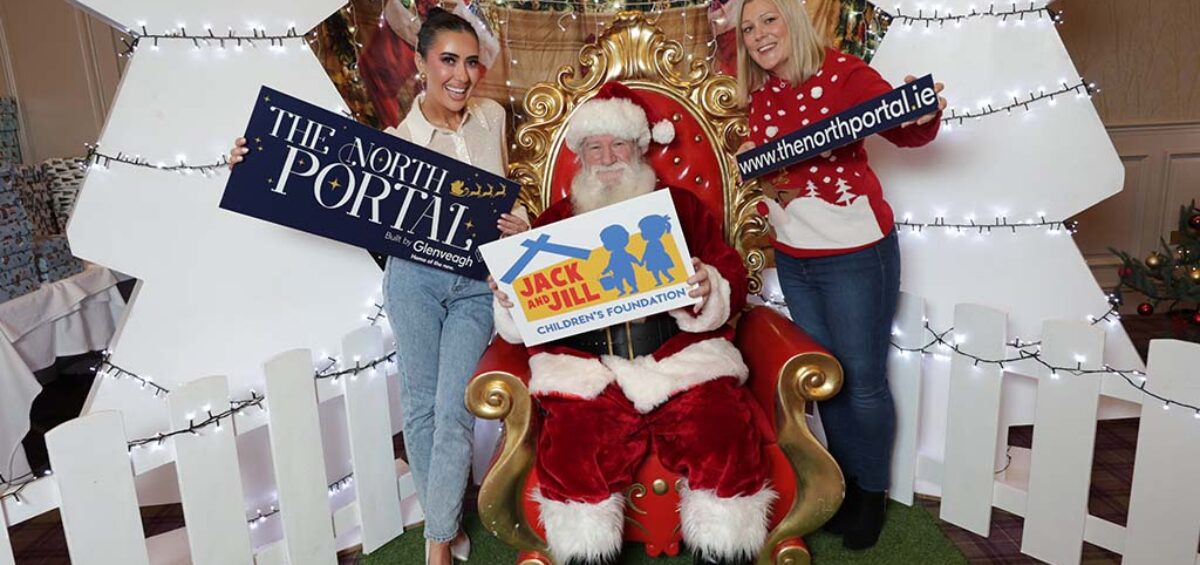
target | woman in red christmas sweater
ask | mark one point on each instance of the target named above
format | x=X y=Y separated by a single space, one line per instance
x=835 y=246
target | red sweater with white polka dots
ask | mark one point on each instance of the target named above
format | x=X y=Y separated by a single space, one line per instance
x=833 y=203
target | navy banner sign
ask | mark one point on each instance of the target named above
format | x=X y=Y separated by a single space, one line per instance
x=325 y=174
x=903 y=104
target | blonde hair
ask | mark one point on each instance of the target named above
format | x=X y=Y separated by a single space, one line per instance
x=808 y=50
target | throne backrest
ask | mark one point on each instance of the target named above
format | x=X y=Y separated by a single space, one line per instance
x=708 y=128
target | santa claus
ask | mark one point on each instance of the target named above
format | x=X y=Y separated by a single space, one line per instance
x=673 y=380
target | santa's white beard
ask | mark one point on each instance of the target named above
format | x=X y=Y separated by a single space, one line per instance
x=589 y=193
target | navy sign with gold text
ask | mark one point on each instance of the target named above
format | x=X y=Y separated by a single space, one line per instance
x=321 y=173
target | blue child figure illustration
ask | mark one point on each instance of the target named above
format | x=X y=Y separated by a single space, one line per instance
x=620 y=261
x=656 y=259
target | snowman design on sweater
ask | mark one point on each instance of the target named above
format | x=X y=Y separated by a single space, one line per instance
x=832 y=203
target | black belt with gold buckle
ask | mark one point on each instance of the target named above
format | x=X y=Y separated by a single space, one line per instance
x=628 y=339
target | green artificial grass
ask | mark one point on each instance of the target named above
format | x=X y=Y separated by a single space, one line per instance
x=911 y=536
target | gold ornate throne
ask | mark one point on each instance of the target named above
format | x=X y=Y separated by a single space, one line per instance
x=787 y=369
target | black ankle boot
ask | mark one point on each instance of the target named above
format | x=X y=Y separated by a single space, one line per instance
x=849 y=508
x=862 y=530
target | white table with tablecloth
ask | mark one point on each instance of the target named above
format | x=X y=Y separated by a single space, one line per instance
x=67 y=317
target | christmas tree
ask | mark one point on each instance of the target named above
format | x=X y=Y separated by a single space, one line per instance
x=811 y=188
x=844 y=194
x=1169 y=278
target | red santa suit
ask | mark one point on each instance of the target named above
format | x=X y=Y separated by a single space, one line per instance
x=602 y=412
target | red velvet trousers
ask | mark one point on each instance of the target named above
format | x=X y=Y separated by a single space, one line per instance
x=712 y=434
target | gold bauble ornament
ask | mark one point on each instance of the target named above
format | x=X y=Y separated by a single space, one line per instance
x=1194 y=275
x=1154 y=261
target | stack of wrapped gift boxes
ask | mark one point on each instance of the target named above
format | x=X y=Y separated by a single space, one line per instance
x=54 y=259
x=32 y=189
x=10 y=146
x=63 y=177
x=18 y=269
x=35 y=202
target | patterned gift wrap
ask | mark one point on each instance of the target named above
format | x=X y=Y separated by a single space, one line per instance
x=30 y=185
x=16 y=244
x=15 y=275
x=54 y=259
x=63 y=176
x=18 y=281
x=20 y=229
x=15 y=260
x=10 y=145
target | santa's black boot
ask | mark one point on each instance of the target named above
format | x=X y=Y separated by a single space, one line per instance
x=846 y=512
x=862 y=530
x=697 y=560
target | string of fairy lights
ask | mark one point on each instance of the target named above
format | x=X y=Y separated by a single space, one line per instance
x=96 y=158
x=1000 y=12
x=1031 y=352
x=1081 y=89
x=335 y=487
x=999 y=224
x=12 y=487
x=207 y=417
x=231 y=38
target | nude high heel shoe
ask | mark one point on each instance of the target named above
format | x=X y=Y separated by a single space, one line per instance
x=460 y=548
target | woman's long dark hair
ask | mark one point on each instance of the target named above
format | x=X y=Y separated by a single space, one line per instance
x=436 y=21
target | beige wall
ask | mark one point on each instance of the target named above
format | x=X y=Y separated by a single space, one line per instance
x=1145 y=57
x=62 y=66
x=1143 y=54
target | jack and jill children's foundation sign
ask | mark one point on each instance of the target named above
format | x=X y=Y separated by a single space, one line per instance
x=594 y=270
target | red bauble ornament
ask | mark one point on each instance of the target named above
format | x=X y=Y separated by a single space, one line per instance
x=1145 y=309
x=1196 y=317
x=1194 y=221
x=1124 y=272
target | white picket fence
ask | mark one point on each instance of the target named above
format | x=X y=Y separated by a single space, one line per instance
x=1048 y=484
x=93 y=480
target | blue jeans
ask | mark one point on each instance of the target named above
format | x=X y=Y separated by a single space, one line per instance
x=846 y=303
x=442 y=324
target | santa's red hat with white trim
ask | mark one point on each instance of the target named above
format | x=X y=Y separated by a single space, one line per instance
x=619 y=111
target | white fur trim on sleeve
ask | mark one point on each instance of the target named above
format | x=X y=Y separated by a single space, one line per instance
x=715 y=312
x=578 y=531
x=648 y=383
x=729 y=528
x=505 y=325
x=556 y=373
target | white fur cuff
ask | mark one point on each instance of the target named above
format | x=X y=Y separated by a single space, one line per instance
x=505 y=325
x=559 y=373
x=715 y=312
x=648 y=383
x=582 y=531
x=729 y=528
